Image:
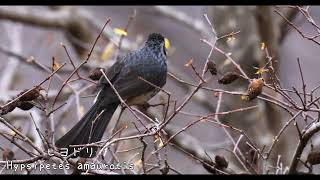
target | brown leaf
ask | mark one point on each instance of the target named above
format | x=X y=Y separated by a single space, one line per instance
x=255 y=88
x=96 y=74
x=212 y=67
x=31 y=95
x=314 y=158
x=25 y=105
x=221 y=162
x=228 y=78
x=55 y=64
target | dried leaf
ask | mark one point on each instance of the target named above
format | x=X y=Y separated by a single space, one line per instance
x=212 y=67
x=314 y=158
x=120 y=32
x=55 y=64
x=189 y=63
x=228 y=78
x=221 y=162
x=25 y=105
x=255 y=88
x=96 y=74
x=107 y=52
x=31 y=95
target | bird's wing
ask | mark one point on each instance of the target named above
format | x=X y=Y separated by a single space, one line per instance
x=125 y=78
x=111 y=73
x=132 y=86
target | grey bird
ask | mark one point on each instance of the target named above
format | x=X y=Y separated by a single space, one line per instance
x=149 y=63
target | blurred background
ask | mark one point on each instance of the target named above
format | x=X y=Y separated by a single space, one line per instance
x=38 y=31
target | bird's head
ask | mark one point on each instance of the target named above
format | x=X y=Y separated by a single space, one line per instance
x=157 y=42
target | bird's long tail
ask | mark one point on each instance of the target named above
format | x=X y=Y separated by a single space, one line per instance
x=89 y=129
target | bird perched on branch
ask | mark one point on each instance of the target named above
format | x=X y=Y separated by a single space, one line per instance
x=148 y=63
